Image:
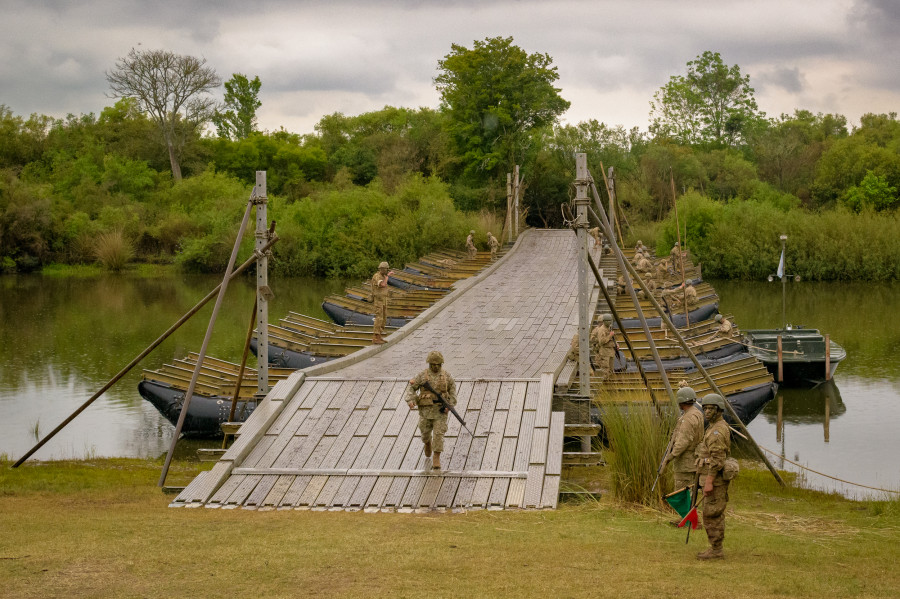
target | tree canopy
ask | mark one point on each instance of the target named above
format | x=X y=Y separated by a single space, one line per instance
x=495 y=95
x=237 y=118
x=712 y=104
x=172 y=88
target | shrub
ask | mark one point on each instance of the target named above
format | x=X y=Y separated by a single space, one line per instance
x=113 y=250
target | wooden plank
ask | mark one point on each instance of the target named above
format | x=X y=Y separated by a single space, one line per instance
x=545 y=401
x=534 y=485
x=523 y=446
x=243 y=490
x=314 y=440
x=514 y=418
x=447 y=492
x=379 y=491
x=328 y=491
x=396 y=492
x=488 y=405
x=533 y=393
x=351 y=454
x=489 y=460
x=292 y=406
x=261 y=491
x=361 y=493
x=463 y=396
x=375 y=472
x=279 y=489
x=464 y=492
x=318 y=454
x=515 y=497
x=345 y=491
x=504 y=462
x=376 y=405
x=430 y=491
x=342 y=440
x=403 y=441
x=292 y=497
x=312 y=490
x=199 y=490
x=377 y=459
x=259 y=451
x=225 y=491
x=198 y=480
x=345 y=408
x=413 y=492
x=550 y=496
x=505 y=395
x=477 y=397
x=539 y=446
x=555 y=444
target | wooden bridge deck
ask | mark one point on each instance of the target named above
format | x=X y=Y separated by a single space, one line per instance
x=340 y=436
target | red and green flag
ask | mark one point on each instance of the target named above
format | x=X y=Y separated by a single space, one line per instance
x=680 y=501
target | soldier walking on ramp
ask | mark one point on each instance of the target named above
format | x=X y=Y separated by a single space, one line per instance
x=432 y=419
x=714 y=465
x=470 y=245
x=380 y=301
x=603 y=341
x=493 y=244
x=685 y=438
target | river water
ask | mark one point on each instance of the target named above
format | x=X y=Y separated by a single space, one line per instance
x=63 y=338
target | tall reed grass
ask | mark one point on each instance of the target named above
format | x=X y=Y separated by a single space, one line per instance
x=637 y=436
x=113 y=250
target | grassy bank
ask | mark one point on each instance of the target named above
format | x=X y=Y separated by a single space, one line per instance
x=102 y=529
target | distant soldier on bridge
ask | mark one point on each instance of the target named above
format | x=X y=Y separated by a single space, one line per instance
x=432 y=420
x=493 y=244
x=380 y=292
x=603 y=340
x=470 y=245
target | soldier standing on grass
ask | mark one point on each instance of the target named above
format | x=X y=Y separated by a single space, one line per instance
x=712 y=452
x=470 y=245
x=687 y=435
x=493 y=244
x=380 y=301
x=432 y=420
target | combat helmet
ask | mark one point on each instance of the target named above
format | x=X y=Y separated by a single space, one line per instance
x=718 y=318
x=383 y=265
x=471 y=232
x=607 y=318
x=714 y=399
x=435 y=357
x=685 y=395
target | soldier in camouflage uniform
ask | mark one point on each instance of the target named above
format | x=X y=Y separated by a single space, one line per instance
x=726 y=328
x=685 y=438
x=432 y=421
x=603 y=341
x=493 y=244
x=712 y=452
x=597 y=236
x=470 y=245
x=379 y=284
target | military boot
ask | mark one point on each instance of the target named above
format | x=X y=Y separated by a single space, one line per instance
x=377 y=339
x=711 y=553
x=427 y=449
x=436 y=461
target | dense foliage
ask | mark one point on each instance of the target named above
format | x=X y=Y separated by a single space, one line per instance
x=393 y=183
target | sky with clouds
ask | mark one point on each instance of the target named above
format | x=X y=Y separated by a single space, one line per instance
x=353 y=56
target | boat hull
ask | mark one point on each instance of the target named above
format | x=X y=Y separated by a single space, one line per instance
x=344 y=316
x=678 y=319
x=286 y=358
x=803 y=354
x=721 y=355
x=205 y=414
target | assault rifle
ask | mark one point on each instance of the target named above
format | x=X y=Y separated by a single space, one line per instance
x=446 y=407
x=663 y=461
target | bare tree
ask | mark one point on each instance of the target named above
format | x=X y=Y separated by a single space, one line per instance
x=172 y=89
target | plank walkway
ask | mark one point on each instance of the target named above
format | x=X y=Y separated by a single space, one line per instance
x=340 y=437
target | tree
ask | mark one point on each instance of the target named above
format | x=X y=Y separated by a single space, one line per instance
x=238 y=120
x=495 y=95
x=172 y=89
x=712 y=105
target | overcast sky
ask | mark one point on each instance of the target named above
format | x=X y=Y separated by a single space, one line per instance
x=353 y=56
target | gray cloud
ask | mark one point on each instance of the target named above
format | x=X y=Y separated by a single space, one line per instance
x=317 y=57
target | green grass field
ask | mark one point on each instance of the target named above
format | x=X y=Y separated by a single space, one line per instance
x=102 y=529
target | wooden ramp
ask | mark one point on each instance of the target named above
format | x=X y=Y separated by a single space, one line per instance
x=339 y=435
x=343 y=444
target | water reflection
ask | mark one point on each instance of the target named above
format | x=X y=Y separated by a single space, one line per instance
x=65 y=337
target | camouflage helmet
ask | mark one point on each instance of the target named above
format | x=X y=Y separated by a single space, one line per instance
x=471 y=232
x=686 y=395
x=383 y=265
x=718 y=318
x=714 y=399
x=607 y=318
x=435 y=357
x=489 y=233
